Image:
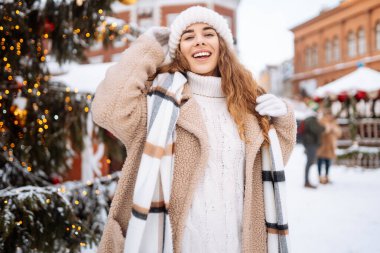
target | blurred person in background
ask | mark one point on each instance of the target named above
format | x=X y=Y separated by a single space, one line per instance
x=311 y=140
x=327 y=148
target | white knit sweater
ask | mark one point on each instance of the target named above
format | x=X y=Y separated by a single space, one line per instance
x=214 y=223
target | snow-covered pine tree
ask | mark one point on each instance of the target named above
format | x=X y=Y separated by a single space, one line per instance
x=42 y=123
x=41 y=217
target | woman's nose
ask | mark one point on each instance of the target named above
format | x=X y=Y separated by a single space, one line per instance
x=199 y=40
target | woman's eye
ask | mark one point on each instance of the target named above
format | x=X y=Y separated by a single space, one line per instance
x=209 y=35
x=188 y=38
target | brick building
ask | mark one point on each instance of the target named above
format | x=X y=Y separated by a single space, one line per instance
x=336 y=42
x=146 y=13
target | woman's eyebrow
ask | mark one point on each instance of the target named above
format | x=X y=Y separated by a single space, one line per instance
x=208 y=28
x=204 y=29
x=188 y=31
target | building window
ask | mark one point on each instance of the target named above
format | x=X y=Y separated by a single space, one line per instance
x=96 y=59
x=229 y=20
x=378 y=35
x=96 y=46
x=146 y=22
x=361 y=41
x=170 y=18
x=119 y=43
x=311 y=56
x=351 y=45
x=308 y=57
x=116 y=57
x=336 y=49
x=328 y=53
x=314 y=55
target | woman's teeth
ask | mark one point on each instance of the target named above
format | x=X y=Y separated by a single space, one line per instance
x=202 y=54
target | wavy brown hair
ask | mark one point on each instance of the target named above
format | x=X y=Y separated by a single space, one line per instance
x=238 y=85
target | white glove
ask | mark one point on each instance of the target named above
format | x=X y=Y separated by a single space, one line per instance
x=270 y=105
x=161 y=35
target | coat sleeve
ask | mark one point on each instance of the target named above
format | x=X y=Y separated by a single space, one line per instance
x=112 y=238
x=119 y=104
x=337 y=130
x=286 y=129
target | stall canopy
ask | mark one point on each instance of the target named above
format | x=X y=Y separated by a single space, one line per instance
x=363 y=79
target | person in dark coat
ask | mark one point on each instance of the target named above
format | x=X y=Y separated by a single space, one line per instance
x=311 y=140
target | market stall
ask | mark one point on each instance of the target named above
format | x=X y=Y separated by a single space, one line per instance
x=355 y=100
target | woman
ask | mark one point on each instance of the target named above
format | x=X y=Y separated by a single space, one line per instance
x=216 y=196
x=326 y=150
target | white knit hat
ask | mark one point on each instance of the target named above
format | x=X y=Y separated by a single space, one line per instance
x=198 y=14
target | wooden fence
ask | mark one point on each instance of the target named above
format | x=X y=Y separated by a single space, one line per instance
x=365 y=150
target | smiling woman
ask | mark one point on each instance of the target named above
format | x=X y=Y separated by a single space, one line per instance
x=200 y=47
x=197 y=128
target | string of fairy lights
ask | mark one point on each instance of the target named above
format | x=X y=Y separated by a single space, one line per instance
x=29 y=31
x=44 y=119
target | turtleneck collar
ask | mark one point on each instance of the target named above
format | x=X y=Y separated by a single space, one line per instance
x=208 y=86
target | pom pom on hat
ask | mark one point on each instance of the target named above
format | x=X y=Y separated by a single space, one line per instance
x=198 y=14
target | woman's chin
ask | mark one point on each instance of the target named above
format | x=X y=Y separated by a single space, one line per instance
x=204 y=72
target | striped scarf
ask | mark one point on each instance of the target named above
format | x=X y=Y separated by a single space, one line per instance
x=275 y=195
x=149 y=228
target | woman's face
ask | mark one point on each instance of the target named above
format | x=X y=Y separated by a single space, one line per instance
x=200 y=46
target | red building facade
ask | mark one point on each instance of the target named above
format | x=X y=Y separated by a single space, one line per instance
x=336 y=42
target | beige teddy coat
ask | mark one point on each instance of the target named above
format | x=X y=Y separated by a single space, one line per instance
x=120 y=106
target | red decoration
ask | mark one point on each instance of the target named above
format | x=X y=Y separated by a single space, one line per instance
x=317 y=99
x=48 y=26
x=56 y=179
x=360 y=95
x=342 y=97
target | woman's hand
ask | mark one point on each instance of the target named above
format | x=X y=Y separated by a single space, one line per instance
x=161 y=35
x=270 y=105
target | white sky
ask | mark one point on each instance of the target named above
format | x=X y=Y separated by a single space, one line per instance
x=263 y=29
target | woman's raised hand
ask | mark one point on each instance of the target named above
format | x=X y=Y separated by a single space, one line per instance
x=270 y=105
x=161 y=34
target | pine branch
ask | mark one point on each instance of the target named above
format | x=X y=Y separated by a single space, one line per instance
x=55 y=218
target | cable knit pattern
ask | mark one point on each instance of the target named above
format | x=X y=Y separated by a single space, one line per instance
x=214 y=223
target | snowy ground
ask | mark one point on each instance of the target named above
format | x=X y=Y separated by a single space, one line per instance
x=342 y=217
